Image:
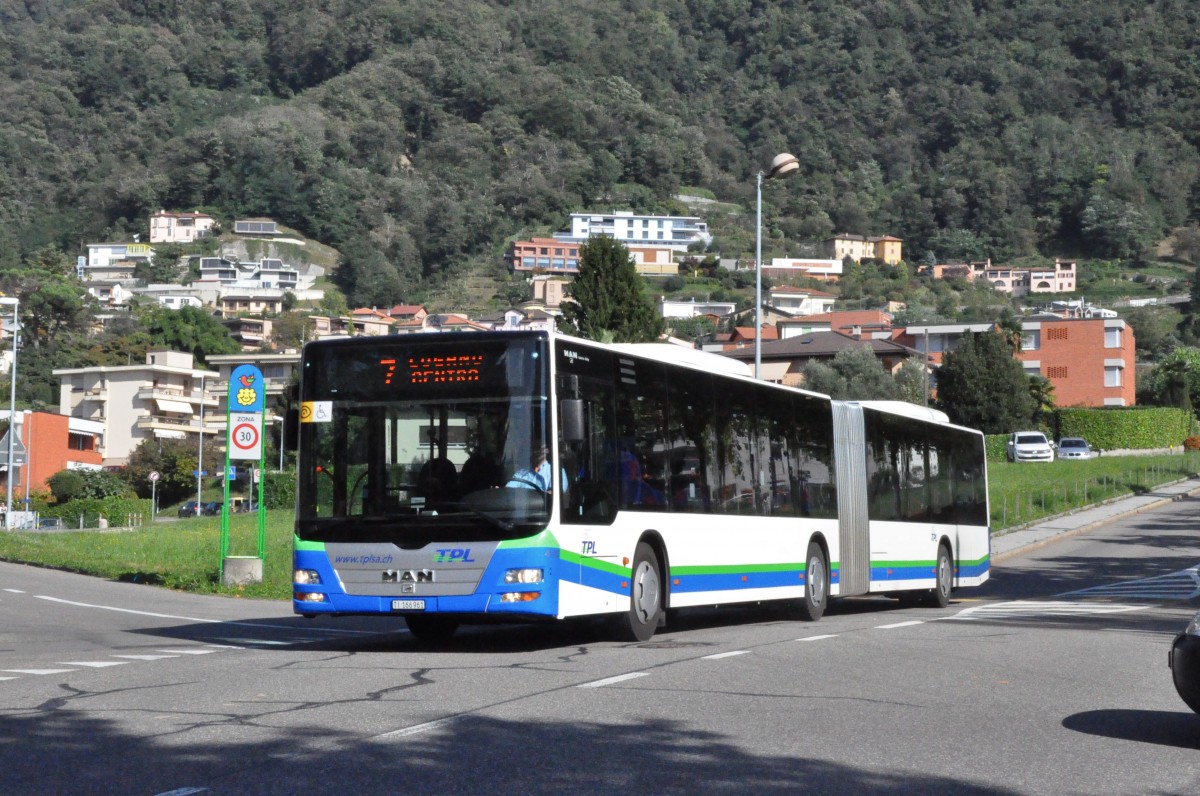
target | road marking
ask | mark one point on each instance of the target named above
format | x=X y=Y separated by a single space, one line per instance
x=191 y=651
x=620 y=678
x=1179 y=586
x=419 y=728
x=145 y=657
x=38 y=671
x=10 y=678
x=1021 y=609
x=909 y=623
x=182 y=792
x=818 y=638
x=725 y=655
x=14 y=591
x=255 y=625
x=94 y=664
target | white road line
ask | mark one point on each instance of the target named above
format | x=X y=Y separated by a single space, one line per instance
x=1025 y=609
x=620 y=678
x=94 y=664
x=14 y=591
x=38 y=671
x=419 y=728
x=256 y=625
x=901 y=624
x=10 y=678
x=818 y=638
x=191 y=651
x=182 y=792
x=725 y=655
x=145 y=657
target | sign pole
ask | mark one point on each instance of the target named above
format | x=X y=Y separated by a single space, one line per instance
x=244 y=421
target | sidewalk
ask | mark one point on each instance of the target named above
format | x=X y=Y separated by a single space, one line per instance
x=1007 y=545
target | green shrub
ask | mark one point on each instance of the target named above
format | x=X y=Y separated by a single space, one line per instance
x=1119 y=427
x=1192 y=444
x=116 y=510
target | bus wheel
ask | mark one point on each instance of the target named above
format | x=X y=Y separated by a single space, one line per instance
x=816 y=584
x=431 y=629
x=940 y=596
x=645 y=596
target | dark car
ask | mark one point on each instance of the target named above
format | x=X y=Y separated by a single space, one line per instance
x=1184 y=660
x=188 y=509
x=211 y=508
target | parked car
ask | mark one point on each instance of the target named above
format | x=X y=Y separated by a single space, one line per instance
x=1075 y=448
x=1184 y=660
x=188 y=509
x=211 y=508
x=1029 y=446
x=50 y=523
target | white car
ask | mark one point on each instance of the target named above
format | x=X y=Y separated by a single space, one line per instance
x=1029 y=446
x=1075 y=448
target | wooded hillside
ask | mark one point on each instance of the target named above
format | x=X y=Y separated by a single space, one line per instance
x=417 y=136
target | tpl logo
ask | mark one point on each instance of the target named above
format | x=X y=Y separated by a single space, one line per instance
x=453 y=555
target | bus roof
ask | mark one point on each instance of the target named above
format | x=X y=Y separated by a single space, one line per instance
x=678 y=355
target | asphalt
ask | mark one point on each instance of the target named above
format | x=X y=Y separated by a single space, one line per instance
x=1022 y=540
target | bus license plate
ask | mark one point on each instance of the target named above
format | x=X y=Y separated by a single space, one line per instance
x=408 y=605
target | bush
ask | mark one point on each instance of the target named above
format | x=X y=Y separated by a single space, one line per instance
x=1192 y=444
x=1134 y=427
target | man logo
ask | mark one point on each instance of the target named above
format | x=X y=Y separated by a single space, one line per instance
x=408 y=576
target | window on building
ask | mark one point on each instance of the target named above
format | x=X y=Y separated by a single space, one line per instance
x=1031 y=340
x=1032 y=369
x=1112 y=338
x=1112 y=376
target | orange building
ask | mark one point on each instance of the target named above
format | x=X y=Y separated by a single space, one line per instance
x=1090 y=361
x=47 y=443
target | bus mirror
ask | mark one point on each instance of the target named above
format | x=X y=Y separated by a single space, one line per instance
x=570 y=416
x=291 y=430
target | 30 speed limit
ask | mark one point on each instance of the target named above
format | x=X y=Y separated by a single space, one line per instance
x=245 y=436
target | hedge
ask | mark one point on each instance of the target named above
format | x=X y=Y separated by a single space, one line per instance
x=1110 y=429
x=117 y=510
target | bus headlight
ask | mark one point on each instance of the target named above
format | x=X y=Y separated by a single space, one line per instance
x=308 y=596
x=306 y=577
x=529 y=575
x=519 y=596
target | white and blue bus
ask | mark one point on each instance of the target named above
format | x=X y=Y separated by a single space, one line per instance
x=467 y=477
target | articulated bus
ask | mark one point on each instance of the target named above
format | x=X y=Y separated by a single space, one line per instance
x=468 y=477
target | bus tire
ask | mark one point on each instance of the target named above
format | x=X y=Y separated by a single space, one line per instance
x=430 y=628
x=645 y=596
x=939 y=597
x=816 y=584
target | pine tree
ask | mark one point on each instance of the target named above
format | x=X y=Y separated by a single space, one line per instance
x=608 y=297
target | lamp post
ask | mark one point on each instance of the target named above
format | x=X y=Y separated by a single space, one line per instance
x=9 y=301
x=200 y=452
x=781 y=165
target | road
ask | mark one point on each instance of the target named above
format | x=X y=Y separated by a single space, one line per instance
x=1051 y=679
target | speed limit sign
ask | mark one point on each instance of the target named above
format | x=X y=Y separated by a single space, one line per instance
x=245 y=436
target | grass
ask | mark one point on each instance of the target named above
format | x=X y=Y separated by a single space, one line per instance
x=185 y=554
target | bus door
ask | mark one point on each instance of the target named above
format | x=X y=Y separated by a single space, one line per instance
x=849 y=445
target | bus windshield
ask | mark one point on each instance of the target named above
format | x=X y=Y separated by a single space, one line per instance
x=418 y=439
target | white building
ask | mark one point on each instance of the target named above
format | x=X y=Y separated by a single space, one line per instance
x=668 y=308
x=674 y=232
x=179 y=227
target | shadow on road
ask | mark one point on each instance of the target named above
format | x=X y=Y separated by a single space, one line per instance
x=1181 y=729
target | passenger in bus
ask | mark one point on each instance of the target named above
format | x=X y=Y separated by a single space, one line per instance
x=480 y=470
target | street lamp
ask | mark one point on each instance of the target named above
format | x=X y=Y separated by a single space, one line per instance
x=782 y=164
x=9 y=301
x=200 y=453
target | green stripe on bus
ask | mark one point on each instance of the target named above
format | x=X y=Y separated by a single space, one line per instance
x=735 y=569
x=301 y=544
x=543 y=539
x=593 y=563
x=902 y=564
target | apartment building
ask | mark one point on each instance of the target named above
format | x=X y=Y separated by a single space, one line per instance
x=47 y=443
x=180 y=227
x=162 y=398
x=544 y=255
x=884 y=248
x=1059 y=278
x=800 y=301
x=1090 y=361
x=675 y=232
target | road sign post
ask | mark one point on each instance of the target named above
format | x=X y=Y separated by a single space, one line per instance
x=244 y=421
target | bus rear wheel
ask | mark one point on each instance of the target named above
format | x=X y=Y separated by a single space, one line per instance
x=645 y=596
x=816 y=584
x=940 y=596
x=431 y=629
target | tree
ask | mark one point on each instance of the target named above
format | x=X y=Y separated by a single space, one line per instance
x=854 y=374
x=68 y=485
x=982 y=386
x=188 y=329
x=1175 y=381
x=608 y=296
x=1041 y=390
x=175 y=461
